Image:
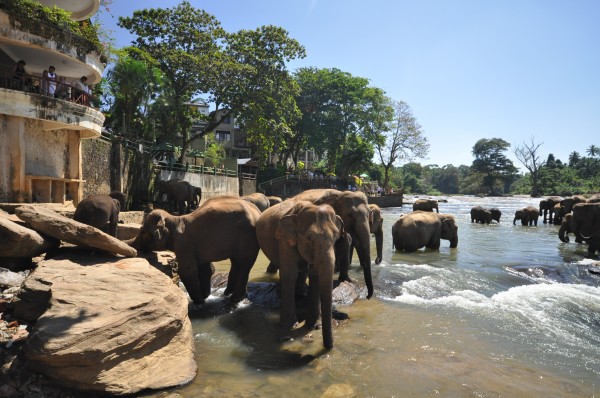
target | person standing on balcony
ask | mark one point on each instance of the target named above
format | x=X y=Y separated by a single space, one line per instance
x=19 y=76
x=49 y=81
x=84 y=90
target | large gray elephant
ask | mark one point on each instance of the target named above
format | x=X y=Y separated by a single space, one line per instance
x=100 y=211
x=585 y=222
x=547 y=207
x=566 y=205
x=484 y=215
x=528 y=216
x=426 y=205
x=181 y=195
x=418 y=229
x=259 y=199
x=353 y=208
x=300 y=238
x=376 y=228
x=222 y=228
x=565 y=229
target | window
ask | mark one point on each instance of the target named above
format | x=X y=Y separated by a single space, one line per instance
x=227 y=120
x=222 y=136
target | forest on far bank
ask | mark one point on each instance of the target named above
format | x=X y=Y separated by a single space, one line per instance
x=492 y=173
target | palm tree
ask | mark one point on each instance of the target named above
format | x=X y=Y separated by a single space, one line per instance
x=593 y=151
x=574 y=158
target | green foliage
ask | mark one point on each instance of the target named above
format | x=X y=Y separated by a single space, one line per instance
x=492 y=163
x=36 y=18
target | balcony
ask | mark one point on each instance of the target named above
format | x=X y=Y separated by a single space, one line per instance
x=69 y=108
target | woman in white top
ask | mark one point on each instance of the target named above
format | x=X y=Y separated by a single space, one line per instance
x=50 y=79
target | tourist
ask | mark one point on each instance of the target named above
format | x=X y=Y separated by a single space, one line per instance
x=20 y=81
x=49 y=80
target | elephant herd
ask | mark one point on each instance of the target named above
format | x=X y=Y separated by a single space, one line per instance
x=307 y=237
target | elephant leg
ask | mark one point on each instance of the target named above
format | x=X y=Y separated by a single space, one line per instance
x=241 y=271
x=272 y=268
x=232 y=278
x=287 y=276
x=113 y=224
x=343 y=256
x=189 y=274
x=312 y=313
x=205 y=272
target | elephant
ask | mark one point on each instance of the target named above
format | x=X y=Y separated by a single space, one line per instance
x=418 y=229
x=300 y=237
x=100 y=211
x=376 y=229
x=353 y=208
x=259 y=199
x=484 y=215
x=224 y=227
x=426 y=205
x=181 y=195
x=585 y=222
x=567 y=203
x=528 y=216
x=547 y=207
x=273 y=200
x=565 y=229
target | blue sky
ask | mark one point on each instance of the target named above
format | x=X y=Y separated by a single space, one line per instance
x=469 y=69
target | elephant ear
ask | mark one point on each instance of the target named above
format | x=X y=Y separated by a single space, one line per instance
x=287 y=230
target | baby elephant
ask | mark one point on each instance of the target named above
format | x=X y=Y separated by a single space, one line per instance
x=100 y=211
x=484 y=215
x=528 y=216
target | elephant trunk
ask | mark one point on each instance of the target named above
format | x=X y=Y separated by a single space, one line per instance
x=515 y=221
x=362 y=242
x=379 y=245
x=454 y=242
x=325 y=295
x=134 y=242
x=563 y=232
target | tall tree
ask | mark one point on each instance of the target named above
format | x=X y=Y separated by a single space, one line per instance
x=491 y=162
x=593 y=151
x=528 y=155
x=244 y=72
x=401 y=139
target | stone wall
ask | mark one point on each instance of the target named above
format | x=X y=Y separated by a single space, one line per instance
x=247 y=186
x=95 y=155
x=211 y=185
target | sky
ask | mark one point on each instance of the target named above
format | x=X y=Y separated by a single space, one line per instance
x=520 y=70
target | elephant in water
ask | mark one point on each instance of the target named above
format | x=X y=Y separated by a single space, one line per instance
x=426 y=205
x=260 y=200
x=547 y=207
x=223 y=228
x=300 y=238
x=585 y=222
x=484 y=215
x=528 y=216
x=418 y=229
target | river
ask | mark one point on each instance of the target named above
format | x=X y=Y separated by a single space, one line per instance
x=511 y=312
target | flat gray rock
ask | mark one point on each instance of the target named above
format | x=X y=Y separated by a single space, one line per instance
x=60 y=227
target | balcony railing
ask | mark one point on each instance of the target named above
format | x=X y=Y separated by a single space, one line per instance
x=37 y=85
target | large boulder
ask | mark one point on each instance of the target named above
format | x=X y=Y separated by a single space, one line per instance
x=115 y=325
x=60 y=227
x=19 y=241
x=128 y=231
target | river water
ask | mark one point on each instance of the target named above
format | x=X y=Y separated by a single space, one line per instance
x=511 y=312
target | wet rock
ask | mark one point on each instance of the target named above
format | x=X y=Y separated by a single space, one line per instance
x=345 y=294
x=63 y=228
x=338 y=390
x=19 y=241
x=115 y=325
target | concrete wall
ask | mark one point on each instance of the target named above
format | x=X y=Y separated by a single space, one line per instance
x=247 y=187
x=96 y=166
x=211 y=185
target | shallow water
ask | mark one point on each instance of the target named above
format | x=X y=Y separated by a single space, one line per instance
x=511 y=312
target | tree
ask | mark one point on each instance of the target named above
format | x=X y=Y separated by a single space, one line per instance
x=132 y=85
x=399 y=140
x=528 y=155
x=243 y=72
x=574 y=159
x=593 y=151
x=492 y=163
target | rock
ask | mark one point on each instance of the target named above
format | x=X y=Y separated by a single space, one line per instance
x=128 y=231
x=10 y=279
x=64 y=228
x=11 y=217
x=338 y=390
x=115 y=325
x=19 y=241
x=345 y=294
